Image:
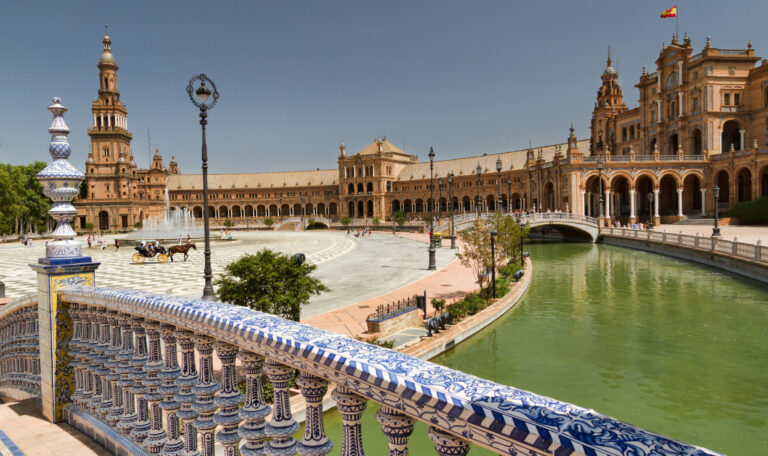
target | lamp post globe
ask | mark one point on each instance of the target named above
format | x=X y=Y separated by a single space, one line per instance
x=432 y=266
x=498 y=171
x=450 y=196
x=716 y=197
x=479 y=207
x=205 y=100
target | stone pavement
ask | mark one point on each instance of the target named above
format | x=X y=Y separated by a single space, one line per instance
x=23 y=423
x=750 y=234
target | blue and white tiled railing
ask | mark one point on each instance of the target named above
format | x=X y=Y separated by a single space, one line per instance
x=144 y=383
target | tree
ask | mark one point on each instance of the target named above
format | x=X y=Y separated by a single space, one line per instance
x=345 y=221
x=138 y=225
x=400 y=218
x=310 y=223
x=270 y=282
x=269 y=222
x=509 y=236
x=228 y=223
x=89 y=227
x=376 y=221
x=476 y=253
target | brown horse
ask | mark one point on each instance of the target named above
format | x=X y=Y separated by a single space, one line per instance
x=174 y=249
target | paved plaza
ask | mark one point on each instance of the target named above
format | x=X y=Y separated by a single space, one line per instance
x=355 y=269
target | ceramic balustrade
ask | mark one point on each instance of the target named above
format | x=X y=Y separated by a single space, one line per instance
x=19 y=350
x=125 y=350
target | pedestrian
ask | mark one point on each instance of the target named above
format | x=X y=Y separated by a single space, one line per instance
x=89 y=241
x=117 y=245
x=179 y=238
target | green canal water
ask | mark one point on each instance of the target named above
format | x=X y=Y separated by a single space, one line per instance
x=666 y=345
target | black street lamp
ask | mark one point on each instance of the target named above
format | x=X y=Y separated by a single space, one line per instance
x=439 y=199
x=509 y=195
x=716 y=195
x=522 y=238
x=301 y=198
x=650 y=210
x=600 y=189
x=498 y=171
x=493 y=261
x=450 y=196
x=200 y=97
x=479 y=198
x=280 y=207
x=392 y=205
x=432 y=265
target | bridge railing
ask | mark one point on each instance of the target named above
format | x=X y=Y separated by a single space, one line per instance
x=19 y=349
x=742 y=250
x=527 y=218
x=136 y=394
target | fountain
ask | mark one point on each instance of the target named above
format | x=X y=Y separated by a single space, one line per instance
x=174 y=223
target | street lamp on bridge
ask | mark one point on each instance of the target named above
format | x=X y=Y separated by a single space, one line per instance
x=432 y=265
x=479 y=198
x=450 y=196
x=716 y=196
x=498 y=171
x=205 y=100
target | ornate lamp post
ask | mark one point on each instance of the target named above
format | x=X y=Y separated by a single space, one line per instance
x=522 y=238
x=509 y=195
x=450 y=196
x=498 y=171
x=201 y=97
x=301 y=198
x=650 y=210
x=716 y=196
x=392 y=206
x=432 y=265
x=600 y=189
x=280 y=207
x=493 y=261
x=479 y=171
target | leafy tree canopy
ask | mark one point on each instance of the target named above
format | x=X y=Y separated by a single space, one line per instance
x=270 y=282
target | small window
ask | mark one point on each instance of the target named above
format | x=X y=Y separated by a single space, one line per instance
x=653 y=116
x=727 y=99
x=696 y=104
x=624 y=134
x=736 y=99
x=695 y=75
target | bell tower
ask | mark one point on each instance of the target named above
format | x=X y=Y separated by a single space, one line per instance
x=610 y=101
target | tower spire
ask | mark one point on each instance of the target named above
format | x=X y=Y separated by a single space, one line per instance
x=608 y=62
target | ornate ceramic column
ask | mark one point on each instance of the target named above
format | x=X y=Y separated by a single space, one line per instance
x=448 y=444
x=141 y=426
x=93 y=360
x=228 y=399
x=76 y=352
x=174 y=446
x=128 y=416
x=351 y=406
x=315 y=442
x=655 y=204
x=156 y=437
x=255 y=410
x=282 y=426
x=102 y=357
x=632 y=202
x=398 y=427
x=63 y=265
x=113 y=413
x=205 y=389
x=186 y=381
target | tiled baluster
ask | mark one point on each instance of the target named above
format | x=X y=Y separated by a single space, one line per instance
x=448 y=444
x=170 y=405
x=97 y=358
x=351 y=407
x=255 y=410
x=128 y=416
x=186 y=381
x=114 y=376
x=75 y=350
x=205 y=389
x=228 y=399
x=397 y=427
x=315 y=442
x=85 y=354
x=141 y=427
x=103 y=358
x=156 y=437
x=282 y=426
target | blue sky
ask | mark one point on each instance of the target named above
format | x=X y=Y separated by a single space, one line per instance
x=297 y=77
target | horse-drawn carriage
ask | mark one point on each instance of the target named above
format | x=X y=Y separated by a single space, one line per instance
x=145 y=251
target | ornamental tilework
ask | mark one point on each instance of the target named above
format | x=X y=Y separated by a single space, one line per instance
x=499 y=417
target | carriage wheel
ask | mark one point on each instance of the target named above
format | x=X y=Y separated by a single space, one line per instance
x=162 y=258
x=137 y=258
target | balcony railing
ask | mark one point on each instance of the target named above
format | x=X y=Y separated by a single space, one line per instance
x=135 y=394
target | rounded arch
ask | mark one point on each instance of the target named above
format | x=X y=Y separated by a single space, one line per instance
x=696 y=146
x=408 y=206
x=351 y=188
x=419 y=205
x=648 y=175
x=466 y=204
x=668 y=185
x=615 y=176
x=236 y=211
x=223 y=211
x=332 y=209
x=620 y=204
x=652 y=146
x=360 y=209
x=296 y=209
x=369 y=208
x=731 y=135
x=369 y=187
x=592 y=177
x=211 y=212
x=285 y=210
x=644 y=184
x=395 y=205
x=103 y=220
x=675 y=176
x=762 y=180
x=248 y=211
x=548 y=196
x=743 y=185
x=723 y=181
x=261 y=210
x=321 y=208
x=359 y=187
x=197 y=211
x=272 y=210
x=692 y=185
x=351 y=209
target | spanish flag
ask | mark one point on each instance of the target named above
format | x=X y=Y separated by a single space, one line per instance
x=672 y=12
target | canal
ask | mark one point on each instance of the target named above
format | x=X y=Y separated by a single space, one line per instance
x=663 y=344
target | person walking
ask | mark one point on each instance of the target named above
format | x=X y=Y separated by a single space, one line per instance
x=117 y=245
x=89 y=241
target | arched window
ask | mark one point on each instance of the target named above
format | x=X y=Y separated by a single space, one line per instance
x=624 y=134
x=766 y=97
x=360 y=187
x=632 y=132
x=351 y=188
x=369 y=187
x=672 y=80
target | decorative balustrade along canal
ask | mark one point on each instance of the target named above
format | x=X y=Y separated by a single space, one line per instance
x=107 y=362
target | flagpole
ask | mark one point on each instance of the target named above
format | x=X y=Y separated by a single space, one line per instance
x=677 y=15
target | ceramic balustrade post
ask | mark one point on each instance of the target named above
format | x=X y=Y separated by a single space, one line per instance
x=282 y=426
x=228 y=399
x=174 y=446
x=104 y=371
x=255 y=410
x=114 y=412
x=89 y=342
x=205 y=389
x=141 y=426
x=75 y=351
x=186 y=381
x=156 y=437
x=99 y=358
x=448 y=444
x=351 y=406
x=315 y=442
x=398 y=427
x=128 y=415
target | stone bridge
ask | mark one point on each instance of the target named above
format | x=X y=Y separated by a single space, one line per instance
x=570 y=225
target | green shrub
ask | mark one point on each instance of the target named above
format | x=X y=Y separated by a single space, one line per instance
x=438 y=305
x=458 y=309
x=753 y=212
